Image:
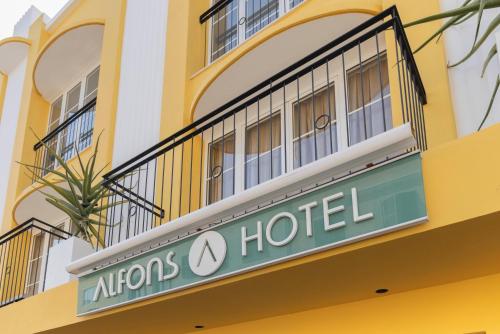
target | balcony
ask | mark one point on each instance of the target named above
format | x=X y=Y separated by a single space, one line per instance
x=353 y=103
x=24 y=254
x=232 y=22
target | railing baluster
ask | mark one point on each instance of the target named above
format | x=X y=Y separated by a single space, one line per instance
x=314 y=116
x=330 y=119
x=271 y=128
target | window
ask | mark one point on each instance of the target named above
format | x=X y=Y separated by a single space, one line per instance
x=53 y=238
x=55 y=114
x=311 y=116
x=78 y=133
x=35 y=265
x=220 y=182
x=54 y=120
x=225 y=29
x=259 y=13
x=293 y=3
x=314 y=127
x=68 y=135
x=91 y=86
x=87 y=122
x=239 y=20
x=369 y=99
x=263 y=150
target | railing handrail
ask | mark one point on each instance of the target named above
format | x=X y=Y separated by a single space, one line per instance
x=65 y=124
x=395 y=21
x=405 y=44
x=35 y=223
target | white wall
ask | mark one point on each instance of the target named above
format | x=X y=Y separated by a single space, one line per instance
x=471 y=93
x=8 y=127
x=141 y=78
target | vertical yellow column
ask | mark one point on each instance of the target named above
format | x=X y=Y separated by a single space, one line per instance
x=3 y=86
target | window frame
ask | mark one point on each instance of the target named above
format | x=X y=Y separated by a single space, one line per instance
x=43 y=257
x=283 y=8
x=82 y=81
x=337 y=72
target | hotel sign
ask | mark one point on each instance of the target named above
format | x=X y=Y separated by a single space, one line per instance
x=377 y=201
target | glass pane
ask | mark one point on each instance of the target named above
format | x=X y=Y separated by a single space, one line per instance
x=49 y=159
x=54 y=239
x=293 y=3
x=314 y=127
x=220 y=169
x=55 y=114
x=91 y=86
x=72 y=100
x=259 y=13
x=86 y=129
x=69 y=134
x=260 y=163
x=225 y=29
x=369 y=99
x=35 y=262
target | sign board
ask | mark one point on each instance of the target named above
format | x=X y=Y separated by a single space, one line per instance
x=375 y=201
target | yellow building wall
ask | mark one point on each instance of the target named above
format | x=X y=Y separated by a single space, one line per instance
x=3 y=86
x=188 y=76
x=447 y=174
x=190 y=59
x=35 y=110
x=450 y=175
x=469 y=306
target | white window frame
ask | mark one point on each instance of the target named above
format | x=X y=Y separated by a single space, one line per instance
x=338 y=76
x=64 y=224
x=82 y=80
x=283 y=8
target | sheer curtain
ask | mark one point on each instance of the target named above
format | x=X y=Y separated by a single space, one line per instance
x=314 y=127
x=369 y=99
x=261 y=162
x=220 y=169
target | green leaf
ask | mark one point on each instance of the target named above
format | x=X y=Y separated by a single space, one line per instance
x=439 y=32
x=465 y=18
x=491 y=28
x=479 y=16
x=490 y=105
x=470 y=7
x=489 y=57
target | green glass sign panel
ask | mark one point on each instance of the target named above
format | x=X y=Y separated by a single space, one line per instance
x=376 y=201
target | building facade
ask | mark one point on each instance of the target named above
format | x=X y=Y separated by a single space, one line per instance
x=270 y=166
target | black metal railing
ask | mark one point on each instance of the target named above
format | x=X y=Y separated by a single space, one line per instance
x=234 y=21
x=23 y=259
x=75 y=133
x=341 y=94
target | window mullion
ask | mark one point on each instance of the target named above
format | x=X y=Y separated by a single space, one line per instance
x=60 y=134
x=83 y=87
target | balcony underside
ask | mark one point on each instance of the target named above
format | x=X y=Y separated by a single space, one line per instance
x=12 y=51
x=286 y=48
x=66 y=57
x=32 y=202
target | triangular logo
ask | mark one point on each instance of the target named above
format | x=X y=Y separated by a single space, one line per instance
x=206 y=247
